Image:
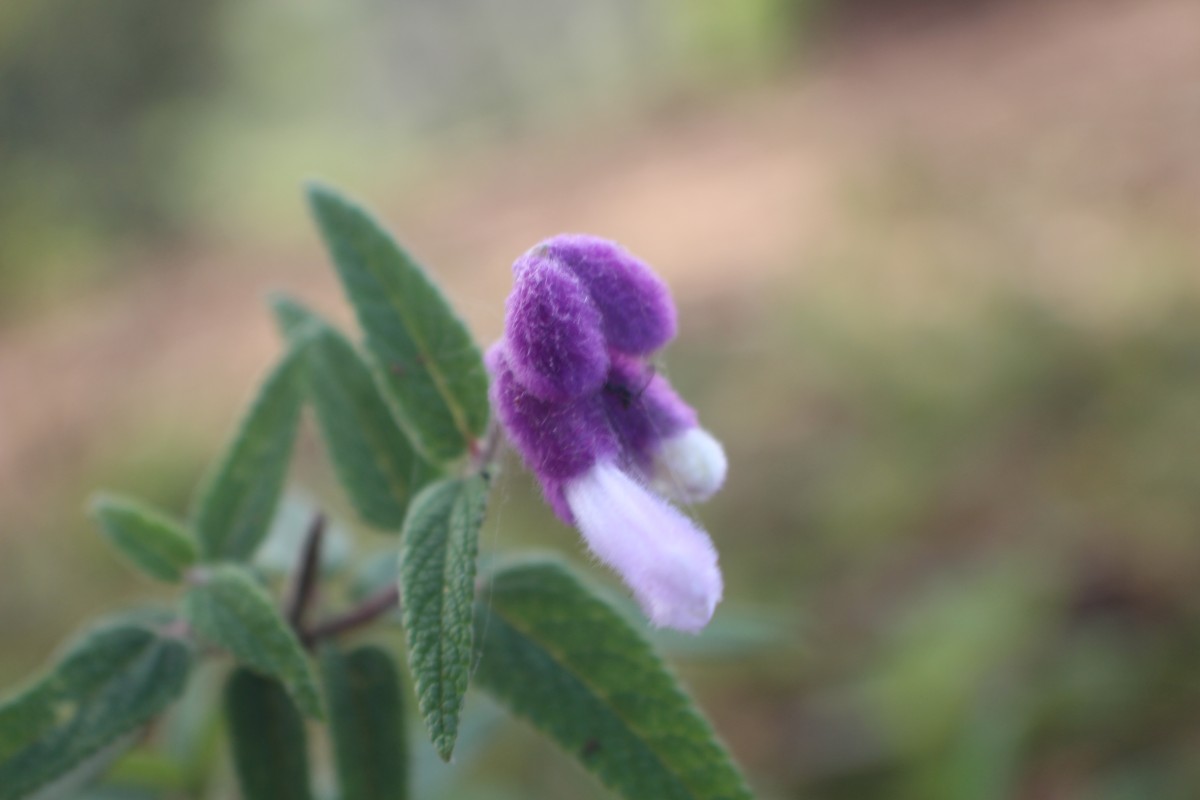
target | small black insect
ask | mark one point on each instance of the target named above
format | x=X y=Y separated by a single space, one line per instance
x=627 y=395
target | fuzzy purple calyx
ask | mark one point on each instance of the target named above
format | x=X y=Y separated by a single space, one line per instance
x=634 y=304
x=557 y=440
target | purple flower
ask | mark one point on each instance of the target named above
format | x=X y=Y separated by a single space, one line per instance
x=607 y=437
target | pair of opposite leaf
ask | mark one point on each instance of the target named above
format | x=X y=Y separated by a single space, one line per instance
x=609 y=440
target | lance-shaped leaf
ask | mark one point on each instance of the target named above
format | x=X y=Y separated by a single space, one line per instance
x=366 y=722
x=230 y=609
x=374 y=459
x=430 y=366
x=564 y=659
x=437 y=585
x=266 y=733
x=239 y=498
x=110 y=682
x=156 y=544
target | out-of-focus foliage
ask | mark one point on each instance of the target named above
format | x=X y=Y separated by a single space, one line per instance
x=991 y=539
x=114 y=117
x=95 y=100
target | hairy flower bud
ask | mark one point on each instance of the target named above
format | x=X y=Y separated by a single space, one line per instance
x=634 y=304
x=552 y=332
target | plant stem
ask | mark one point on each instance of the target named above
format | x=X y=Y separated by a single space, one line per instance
x=483 y=452
x=305 y=584
x=368 y=610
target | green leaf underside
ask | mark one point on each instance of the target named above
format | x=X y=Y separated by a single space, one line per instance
x=156 y=544
x=266 y=734
x=230 y=609
x=561 y=657
x=437 y=583
x=373 y=457
x=430 y=366
x=111 y=681
x=239 y=499
x=366 y=722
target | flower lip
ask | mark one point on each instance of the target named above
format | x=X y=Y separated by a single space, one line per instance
x=666 y=560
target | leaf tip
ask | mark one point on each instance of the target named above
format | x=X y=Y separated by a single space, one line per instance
x=279 y=301
x=312 y=708
x=322 y=198
x=445 y=747
x=291 y=316
x=97 y=502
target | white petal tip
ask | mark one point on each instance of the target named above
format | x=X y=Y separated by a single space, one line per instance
x=689 y=467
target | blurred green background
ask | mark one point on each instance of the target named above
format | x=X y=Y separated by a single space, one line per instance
x=939 y=274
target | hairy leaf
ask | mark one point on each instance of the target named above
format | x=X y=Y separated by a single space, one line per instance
x=564 y=659
x=366 y=722
x=111 y=681
x=239 y=498
x=266 y=733
x=374 y=459
x=230 y=609
x=429 y=364
x=156 y=544
x=437 y=584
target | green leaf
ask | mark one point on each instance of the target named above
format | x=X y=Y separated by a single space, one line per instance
x=267 y=736
x=374 y=459
x=429 y=364
x=84 y=779
x=437 y=585
x=111 y=681
x=230 y=609
x=239 y=498
x=564 y=659
x=25 y=716
x=366 y=722
x=156 y=544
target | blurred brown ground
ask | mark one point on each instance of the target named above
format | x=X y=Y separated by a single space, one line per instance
x=1091 y=109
